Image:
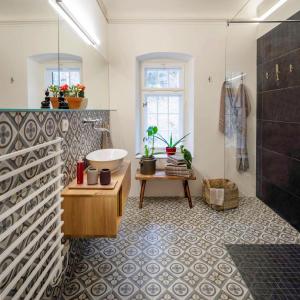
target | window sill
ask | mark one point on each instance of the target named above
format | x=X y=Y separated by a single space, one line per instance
x=158 y=156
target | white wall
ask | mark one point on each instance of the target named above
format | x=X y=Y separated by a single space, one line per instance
x=206 y=44
x=18 y=43
x=35 y=80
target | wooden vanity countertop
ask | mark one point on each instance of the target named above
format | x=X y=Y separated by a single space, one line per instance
x=119 y=176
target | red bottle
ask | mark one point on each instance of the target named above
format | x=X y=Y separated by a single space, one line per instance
x=80 y=170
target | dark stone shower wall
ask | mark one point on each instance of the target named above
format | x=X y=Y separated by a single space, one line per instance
x=278 y=120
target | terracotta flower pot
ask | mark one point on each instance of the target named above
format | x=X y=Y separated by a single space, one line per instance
x=171 y=150
x=54 y=102
x=77 y=102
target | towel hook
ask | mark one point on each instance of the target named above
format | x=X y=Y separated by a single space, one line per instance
x=267 y=75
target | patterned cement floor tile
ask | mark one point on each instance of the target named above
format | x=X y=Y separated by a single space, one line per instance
x=168 y=251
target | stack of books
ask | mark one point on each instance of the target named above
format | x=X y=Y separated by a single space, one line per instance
x=177 y=166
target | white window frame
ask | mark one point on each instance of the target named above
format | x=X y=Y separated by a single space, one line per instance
x=159 y=91
x=65 y=69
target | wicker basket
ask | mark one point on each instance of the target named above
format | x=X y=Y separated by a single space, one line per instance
x=231 y=193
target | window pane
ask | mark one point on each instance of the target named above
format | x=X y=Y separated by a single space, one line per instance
x=64 y=78
x=163 y=104
x=174 y=104
x=152 y=120
x=174 y=78
x=151 y=78
x=163 y=122
x=70 y=76
x=163 y=110
x=174 y=124
x=74 y=77
x=162 y=78
x=151 y=104
x=55 y=78
x=165 y=134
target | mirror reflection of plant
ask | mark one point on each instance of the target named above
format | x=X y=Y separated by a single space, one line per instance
x=54 y=89
x=170 y=142
x=65 y=89
x=77 y=90
x=72 y=91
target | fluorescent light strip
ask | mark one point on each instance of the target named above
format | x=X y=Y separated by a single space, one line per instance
x=271 y=10
x=63 y=11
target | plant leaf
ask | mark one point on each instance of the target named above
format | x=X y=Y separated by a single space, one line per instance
x=181 y=139
x=150 y=131
x=160 y=137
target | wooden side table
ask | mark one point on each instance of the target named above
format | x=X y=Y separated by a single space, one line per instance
x=161 y=175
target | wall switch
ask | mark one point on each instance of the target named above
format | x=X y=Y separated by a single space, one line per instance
x=64 y=125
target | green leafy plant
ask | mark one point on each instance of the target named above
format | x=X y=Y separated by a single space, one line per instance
x=170 y=142
x=187 y=156
x=54 y=89
x=151 y=133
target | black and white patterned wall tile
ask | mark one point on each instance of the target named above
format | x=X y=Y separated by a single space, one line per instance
x=19 y=130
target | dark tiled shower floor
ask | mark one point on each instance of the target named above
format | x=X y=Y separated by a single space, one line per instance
x=270 y=271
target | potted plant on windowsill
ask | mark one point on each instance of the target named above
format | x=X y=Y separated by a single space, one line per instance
x=148 y=161
x=171 y=146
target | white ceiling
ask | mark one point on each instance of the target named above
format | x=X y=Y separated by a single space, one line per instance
x=179 y=9
x=138 y=9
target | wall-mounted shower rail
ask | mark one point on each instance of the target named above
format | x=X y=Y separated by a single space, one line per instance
x=35 y=264
x=260 y=21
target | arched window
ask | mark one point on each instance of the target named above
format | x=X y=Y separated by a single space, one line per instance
x=164 y=95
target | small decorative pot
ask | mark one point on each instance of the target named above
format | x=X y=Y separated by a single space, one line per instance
x=171 y=150
x=54 y=102
x=105 y=176
x=148 y=165
x=76 y=102
x=92 y=176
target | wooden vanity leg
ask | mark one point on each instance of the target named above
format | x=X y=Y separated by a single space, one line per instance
x=143 y=186
x=184 y=188
x=188 y=193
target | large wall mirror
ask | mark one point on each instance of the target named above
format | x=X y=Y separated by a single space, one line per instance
x=40 y=49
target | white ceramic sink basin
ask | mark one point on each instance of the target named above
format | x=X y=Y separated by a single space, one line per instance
x=107 y=159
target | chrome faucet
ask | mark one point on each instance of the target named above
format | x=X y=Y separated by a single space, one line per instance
x=97 y=124
x=90 y=121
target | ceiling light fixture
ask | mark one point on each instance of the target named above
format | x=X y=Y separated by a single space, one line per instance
x=62 y=9
x=271 y=10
